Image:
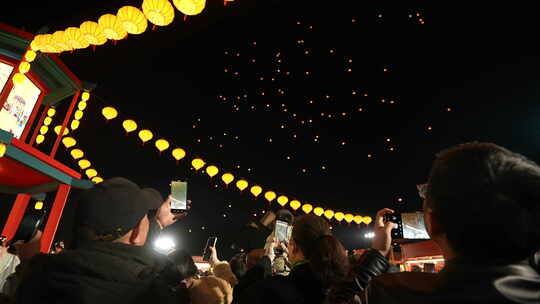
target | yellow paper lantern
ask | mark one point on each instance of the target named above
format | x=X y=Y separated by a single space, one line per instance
x=282 y=200
x=318 y=211
x=30 y=56
x=145 y=135
x=109 y=113
x=227 y=178
x=242 y=184
x=57 y=130
x=159 y=12
x=46 y=44
x=329 y=214
x=79 y=114
x=129 y=125
x=295 y=204
x=38 y=205
x=178 y=153
x=358 y=219
x=349 y=218
x=256 y=190
x=91 y=173
x=24 y=67
x=270 y=196
x=367 y=220
x=111 y=27
x=307 y=208
x=198 y=163
x=69 y=142
x=34 y=45
x=212 y=171
x=75 y=124
x=92 y=33
x=39 y=139
x=43 y=130
x=97 y=180
x=85 y=96
x=75 y=39
x=3 y=149
x=190 y=7
x=84 y=163
x=82 y=105
x=51 y=112
x=47 y=121
x=132 y=19
x=76 y=153
x=162 y=145
x=59 y=39
x=339 y=216
x=18 y=78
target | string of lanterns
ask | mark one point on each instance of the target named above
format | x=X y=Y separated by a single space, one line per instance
x=212 y=170
x=83 y=163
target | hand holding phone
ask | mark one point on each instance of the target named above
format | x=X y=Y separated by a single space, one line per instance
x=207 y=252
x=410 y=226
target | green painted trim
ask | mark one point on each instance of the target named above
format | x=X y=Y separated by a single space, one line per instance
x=36 y=191
x=82 y=183
x=39 y=196
x=5 y=136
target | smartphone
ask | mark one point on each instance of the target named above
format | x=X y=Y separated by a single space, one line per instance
x=210 y=242
x=410 y=225
x=281 y=231
x=178 y=197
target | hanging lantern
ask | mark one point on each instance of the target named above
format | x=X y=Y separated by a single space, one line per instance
x=349 y=218
x=307 y=208
x=145 y=135
x=47 y=121
x=256 y=190
x=76 y=153
x=57 y=130
x=24 y=67
x=129 y=125
x=85 y=96
x=270 y=196
x=295 y=204
x=51 y=112
x=3 y=149
x=329 y=214
x=59 y=39
x=38 y=205
x=242 y=184
x=82 y=105
x=159 y=12
x=39 y=139
x=358 y=219
x=43 y=130
x=35 y=45
x=46 y=44
x=30 y=56
x=282 y=200
x=97 y=180
x=132 y=19
x=92 y=33
x=212 y=171
x=198 y=163
x=190 y=7
x=18 y=78
x=318 y=211
x=111 y=28
x=162 y=145
x=339 y=216
x=75 y=124
x=75 y=39
x=84 y=163
x=69 y=142
x=109 y=113
x=367 y=220
x=91 y=173
x=78 y=114
x=178 y=154
x=227 y=178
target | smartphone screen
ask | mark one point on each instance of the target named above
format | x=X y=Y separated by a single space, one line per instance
x=282 y=231
x=178 y=197
x=410 y=226
x=210 y=242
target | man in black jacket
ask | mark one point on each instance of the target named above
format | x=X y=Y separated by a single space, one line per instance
x=109 y=263
x=482 y=207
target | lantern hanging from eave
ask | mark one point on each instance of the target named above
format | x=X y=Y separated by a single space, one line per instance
x=307 y=208
x=43 y=130
x=91 y=173
x=82 y=105
x=198 y=163
x=178 y=153
x=242 y=184
x=270 y=196
x=227 y=178
x=190 y=7
x=58 y=128
x=75 y=39
x=39 y=139
x=256 y=190
x=30 y=55
x=78 y=114
x=109 y=113
x=349 y=218
x=69 y=142
x=18 y=78
x=132 y=19
x=112 y=29
x=212 y=171
x=3 y=149
x=339 y=216
x=162 y=145
x=318 y=211
x=76 y=153
x=295 y=204
x=85 y=96
x=282 y=200
x=46 y=44
x=84 y=163
x=59 y=39
x=97 y=179
x=145 y=135
x=158 y=12
x=24 y=67
x=47 y=121
x=92 y=33
x=329 y=214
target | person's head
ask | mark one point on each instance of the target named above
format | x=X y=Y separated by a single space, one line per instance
x=238 y=264
x=312 y=240
x=184 y=264
x=113 y=211
x=482 y=202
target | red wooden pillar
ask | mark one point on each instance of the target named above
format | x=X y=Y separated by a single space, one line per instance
x=15 y=216
x=54 y=217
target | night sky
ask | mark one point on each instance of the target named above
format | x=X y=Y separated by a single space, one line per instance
x=339 y=106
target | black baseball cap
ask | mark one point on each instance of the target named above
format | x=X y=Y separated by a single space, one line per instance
x=154 y=197
x=112 y=208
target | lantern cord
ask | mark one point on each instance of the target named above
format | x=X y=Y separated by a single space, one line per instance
x=185 y=18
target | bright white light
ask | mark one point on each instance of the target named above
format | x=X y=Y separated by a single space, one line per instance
x=164 y=244
x=369 y=235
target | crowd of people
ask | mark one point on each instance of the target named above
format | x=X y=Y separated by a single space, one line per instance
x=481 y=206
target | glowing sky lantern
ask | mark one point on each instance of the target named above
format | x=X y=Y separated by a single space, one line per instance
x=198 y=163
x=97 y=180
x=212 y=171
x=270 y=196
x=190 y=7
x=51 y=112
x=38 y=205
x=43 y=130
x=84 y=163
x=91 y=173
x=367 y=220
x=47 y=121
x=358 y=219
x=111 y=28
x=158 y=12
x=242 y=184
x=227 y=178
x=132 y=19
x=3 y=149
x=295 y=204
x=75 y=39
x=329 y=214
x=58 y=128
x=69 y=142
x=282 y=200
x=307 y=208
x=109 y=113
x=318 y=211
x=256 y=190
x=162 y=145
x=178 y=153
x=76 y=153
x=92 y=33
x=129 y=125
x=349 y=218
x=145 y=135
x=339 y=216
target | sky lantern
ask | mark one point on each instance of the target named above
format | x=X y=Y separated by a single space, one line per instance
x=358 y=219
x=91 y=173
x=227 y=178
x=38 y=205
x=51 y=112
x=109 y=113
x=75 y=39
x=307 y=208
x=367 y=220
x=129 y=125
x=270 y=196
x=92 y=33
x=76 y=153
x=198 y=163
x=145 y=135
x=97 y=179
x=295 y=204
x=3 y=149
x=59 y=39
x=69 y=142
x=162 y=145
x=242 y=184
x=190 y=7
x=30 y=55
x=132 y=19
x=212 y=171
x=158 y=12
x=18 y=78
x=84 y=163
x=339 y=216
x=58 y=128
x=39 y=139
x=111 y=28
x=282 y=200
x=329 y=214
x=256 y=190
x=24 y=67
x=349 y=218
x=178 y=154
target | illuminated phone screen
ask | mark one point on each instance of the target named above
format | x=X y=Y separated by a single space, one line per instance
x=413 y=226
x=178 y=195
x=282 y=231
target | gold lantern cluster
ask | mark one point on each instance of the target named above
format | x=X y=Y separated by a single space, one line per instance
x=46 y=125
x=81 y=106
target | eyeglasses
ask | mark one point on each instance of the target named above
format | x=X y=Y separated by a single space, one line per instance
x=422 y=190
